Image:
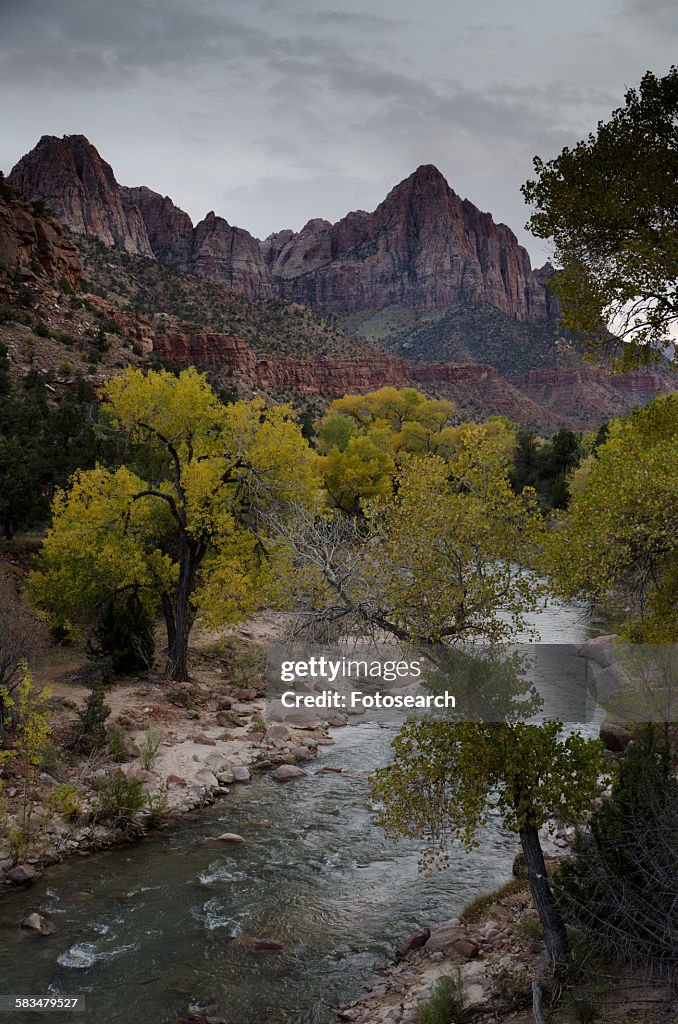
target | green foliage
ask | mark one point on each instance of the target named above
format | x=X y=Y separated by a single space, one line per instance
x=115 y=741
x=66 y=800
x=546 y=466
x=124 y=632
x=90 y=729
x=620 y=887
x=191 y=522
x=447 y=777
x=620 y=534
x=609 y=204
x=120 y=799
x=445 y=1005
x=473 y=911
x=148 y=750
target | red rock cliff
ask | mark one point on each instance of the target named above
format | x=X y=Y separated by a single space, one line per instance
x=33 y=242
x=423 y=247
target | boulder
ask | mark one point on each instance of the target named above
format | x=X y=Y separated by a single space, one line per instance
x=224 y=703
x=205 y=777
x=615 y=735
x=415 y=941
x=272 y=945
x=440 y=940
x=240 y=773
x=465 y=947
x=175 y=780
x=301 y=753
x=230 y=837
x=22 y=874
x=599 y=649
x=288 y=772
x=207 y=741
x=37 y=924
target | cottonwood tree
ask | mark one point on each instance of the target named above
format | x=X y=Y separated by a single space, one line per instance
x=610 y=204
x=619 y=536
x=186 y=525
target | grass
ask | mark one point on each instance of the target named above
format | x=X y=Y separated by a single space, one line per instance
x=445 y=1005
x=479 y=905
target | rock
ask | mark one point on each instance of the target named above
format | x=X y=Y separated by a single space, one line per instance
x=288 y=772
x=22 y=874
x=79 y=187
x=224 y=703
x=206 y=778
x=200 y=737
x=474 y=995
x=226 y=718
x=230 y=837
x=599 y=649
x=301 y=753
x=442 y=938
x=277 y=732
x=615 y=735
x=240 y=773
x=272 y=945
x=225 y=778
x=415 y=941
x=610 y=681
x=465 y=947
x=37 y=924
x=246 y=694
x=30 y=238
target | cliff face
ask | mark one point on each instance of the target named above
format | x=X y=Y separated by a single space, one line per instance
x=32 y=242
x=80 y=189
x=423 y=247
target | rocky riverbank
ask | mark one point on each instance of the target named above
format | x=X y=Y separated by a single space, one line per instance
x=178 y=747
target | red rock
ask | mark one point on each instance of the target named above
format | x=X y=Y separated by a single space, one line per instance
x=200 y=737
x=415 y=941
x=80 y=189
x=265 y=944
x=27 y=238
x=176 y=780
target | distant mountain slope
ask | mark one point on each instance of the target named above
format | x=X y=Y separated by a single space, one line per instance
x=423 y=247
x=467 y=333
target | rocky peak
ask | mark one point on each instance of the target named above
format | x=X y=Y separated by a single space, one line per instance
x=80 y=189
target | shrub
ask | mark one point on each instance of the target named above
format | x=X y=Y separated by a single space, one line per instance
x=90 y=728
x=120 y=798
x=149 y=747
x=42 y=330
x=65 y=800
x=115 y=741
x=445 y=1005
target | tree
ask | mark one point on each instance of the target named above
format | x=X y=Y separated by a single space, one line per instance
x=610 y=204
x=620 y=535
x=447 y=777
x=620 y=887
x=186 y=525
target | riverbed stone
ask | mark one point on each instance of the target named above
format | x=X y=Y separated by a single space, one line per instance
x=200 y=737
x=37 y=924
x=442 y=939
x=415 y=941
x=205 y=777
x=288 y=772
x=22 y=874
x=240 y=773
x=230 y=837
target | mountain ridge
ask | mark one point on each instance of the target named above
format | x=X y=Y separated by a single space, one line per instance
x=423 y=246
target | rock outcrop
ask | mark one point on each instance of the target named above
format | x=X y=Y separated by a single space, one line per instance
x=80 y=189
x=423 y=247
x=32 y=242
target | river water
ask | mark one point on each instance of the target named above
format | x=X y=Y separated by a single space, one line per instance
x=145 y=931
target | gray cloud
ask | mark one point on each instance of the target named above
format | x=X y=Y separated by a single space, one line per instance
x=276 y=111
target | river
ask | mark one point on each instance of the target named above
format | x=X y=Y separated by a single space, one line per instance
x=145 y=931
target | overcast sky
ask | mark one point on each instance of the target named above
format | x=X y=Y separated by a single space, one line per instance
x=271 y=112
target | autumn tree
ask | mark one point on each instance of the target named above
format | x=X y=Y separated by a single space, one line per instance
x=610 y=205
x=186 y=524
x=619 y=537
x=448 y=777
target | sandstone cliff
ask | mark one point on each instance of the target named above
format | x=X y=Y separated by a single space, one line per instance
x=34 y=243
x=423 y=247
x=80 y=189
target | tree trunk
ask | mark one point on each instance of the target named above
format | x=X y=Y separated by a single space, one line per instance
x=555 y=934
x=179 y=614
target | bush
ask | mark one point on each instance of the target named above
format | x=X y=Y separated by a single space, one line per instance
x=120 y=799
x=65 y=800
x=149 y=748
x=115 y=741
x=90 y=728
x=618 y=887
x=42 y=330
x=446 y=1003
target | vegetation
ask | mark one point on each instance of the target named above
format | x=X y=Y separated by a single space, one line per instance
x=445 y=1005
x=609 y=204
x=620 y=533
x=186 y=522
x=620 y=888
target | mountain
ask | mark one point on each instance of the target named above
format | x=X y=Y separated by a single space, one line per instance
x=33 y=245
x=422 y=248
